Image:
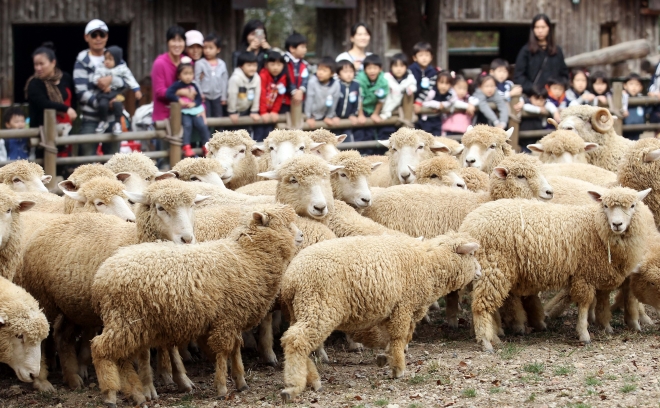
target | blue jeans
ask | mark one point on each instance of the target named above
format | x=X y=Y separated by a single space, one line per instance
x=189 y=122
x=261 y=132
x=17 y=149
x=213 y=108
x=432 y=125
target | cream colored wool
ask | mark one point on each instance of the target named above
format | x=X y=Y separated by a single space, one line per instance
x=10 y=231
x=380 y=177
x=263 y=187
x=81 y=175
x=438 y=170
x=562 y=146
x=455 y=147
x=199 y=169
x=351 y=183
x=358 y=283
x=572 y=191
x=134 y=162
x=329 y=149
x=219 y=196
x=475 y=179
x=45 y=202
x=596 y=125
x=582 y=171
x=235 y=150
x=643 y=286
x=99 y=188
x=296 y=142
x=640 y=169
x=490 y=142
x=23 y=175
x=527 y=247
x=236 y=278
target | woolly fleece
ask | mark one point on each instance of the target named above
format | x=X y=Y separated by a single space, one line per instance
x=190 y=167
x=582 y=171
x=10 y=245
x=559 y=142
x=245 y=171
x=23 y=169
x=485 y=136
x=639 y=171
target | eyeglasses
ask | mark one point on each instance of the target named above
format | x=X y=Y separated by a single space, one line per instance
x=98 y=33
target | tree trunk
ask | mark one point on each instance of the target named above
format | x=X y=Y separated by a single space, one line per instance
x=417 y=20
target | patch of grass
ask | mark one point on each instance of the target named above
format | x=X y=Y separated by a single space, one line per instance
x=495 y=390
x=593 y=381
x=359 y=406
x=417 y=379
x=628 y=388
x=563 y=370
x=616 y=361
x=382 y=402
x=531 y=398
x=444 y=380
x=186 y=401
x=469 y=393
x=432 y=367
x=510 y=350
x=630 y=378
x=534 y=368
x=610 y=377
x=415 y=406
x=578 y=405
x=591 y=391
x=532 y=378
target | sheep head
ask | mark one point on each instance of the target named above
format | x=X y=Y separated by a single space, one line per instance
x=519 y=176
x=204 y=170
x=619 y=206
x=328 y=150
x=441 y=171
x=100 y=194
x=562 y=146
x=350 y=184
x=10 y=206
x=135 y=170
x=285 y=144
x=230 y=149
x=485 y=147
x=589 y=122
x=458 y=250
x=23 y=176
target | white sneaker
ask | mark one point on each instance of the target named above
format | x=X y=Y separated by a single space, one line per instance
x=116 y=129
x=101 y=127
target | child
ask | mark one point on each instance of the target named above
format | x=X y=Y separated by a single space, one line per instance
x=296 y=69
x=538 y=103
x=437 y=99
x=16 y=149
x=374 y=89
x=600 y=87
x=637 y=115
x=425 y=74
x=193 y=114
x=244 y=89
x=456 y=123
x=273 y=88
x=401 y=82
x=348 y=104
x=211 y=76
x=578 y=94
x=485 y=93
x=556 y=94
x=194 y=45
x=114 y=66
x=499 y=69
x=322 y=95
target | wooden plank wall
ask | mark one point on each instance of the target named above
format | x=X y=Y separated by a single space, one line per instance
x=148 y=21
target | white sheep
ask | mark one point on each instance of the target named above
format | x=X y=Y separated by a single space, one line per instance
x=562 y=146
x=237 y=153
x=485 y=147
x=23 y=175
x=202 y=169
x=329 y=149
x=10 y=231
x=135 y=170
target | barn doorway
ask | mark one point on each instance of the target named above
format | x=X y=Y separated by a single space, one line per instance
x=68 y=40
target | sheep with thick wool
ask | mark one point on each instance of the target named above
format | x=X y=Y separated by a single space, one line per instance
x=283 y=144
x=359 y=283
x=350 y=183
x=215 y=289
x=640 y=169
x=237 y=153
x=527 y=247
x=23 y=175
x=596 y=125
x=102 y=195
x=328 y=149
x=442 y=170
x=562 y=146
x=81 y=175
x=485 y=146
x=23 y=328
x=10 y=231
x=135 y=170
x=220 y=195
x=202 y=169
x=455 y=147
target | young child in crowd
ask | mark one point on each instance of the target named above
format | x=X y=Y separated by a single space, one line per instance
x=578 y=94
x=538 y=103
x=637 y=114
x=348 y=104
x=437 y=99
x=244 y=89
x=499 y=69
x=194 y=45
x=425 y=74
x=374 y=89
x=401 y=82
x=486 y=93
x=113 y=65
x=600 y=87
x=273 y=88
x=211 y=76
x=322 y=95
x=456 y=123
x=556 y=94
x=297 y=70
x=192 y=112
x=16 y=149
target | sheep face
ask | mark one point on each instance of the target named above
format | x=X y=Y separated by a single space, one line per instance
x=329 y=149
x=439 y=171
x=619 y=206
x=353 y=189
x=229 y=157
x=326 y=151
x=102 y=195
x=562 y=146
x=19 y=350
x=590 y=123
x=23 y=176
x=407 y=148
x=519 y=176
x=36 y=183
x=283 y=146
x=135 y=182
x=205 y=170
x=484 y=146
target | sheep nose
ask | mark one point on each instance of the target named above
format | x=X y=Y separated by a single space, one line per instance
x=460 y=185
x=32 y=376
x=319 y=208
x=470 y=160
x=617 y=225
x=366 y=200
x=186 y=239
x=549 y=193
x=405 y=176
x=129 y=220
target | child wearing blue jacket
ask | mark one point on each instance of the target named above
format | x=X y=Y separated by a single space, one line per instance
x=348 y=104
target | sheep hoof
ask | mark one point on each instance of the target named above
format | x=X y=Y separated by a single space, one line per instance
x=487 y=347
x=75 y=382
x=645 y=320
x=434 y=306
x=43 y=385
x=381 y=360
x=355 y=347
x=452 y=323
x=243 y=388
x=183 y=383
x=83 y=373
x=608 y=329
x=167 y=378
x=149 y=392
x=397 y=372
x=286 y=397
x=427 y=319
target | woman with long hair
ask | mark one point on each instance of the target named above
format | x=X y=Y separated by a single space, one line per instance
x=253 y=39
x=360 y=37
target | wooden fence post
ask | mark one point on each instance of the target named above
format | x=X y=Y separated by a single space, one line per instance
x=296 y=115
x=407 y=108
x=50 y=149
x=617 y=94
x=177 y=134
x=514 y=122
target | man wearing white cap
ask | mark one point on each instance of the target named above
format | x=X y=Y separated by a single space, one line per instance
x=96 y=35
x=194 y=44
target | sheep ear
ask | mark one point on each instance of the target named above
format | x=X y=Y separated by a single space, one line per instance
x=412 y=170
x=652 y=156
x=509 y=133
x=420 y=238
x=25 y=205
x=75 y=196
x=438 y=147
x=123 y=176
x=636 y=268
x=258 y=150
x=138 y=198
x=167 y=175
x=468 y=248
x=176 y=173
x=374 y=166
x=642 y=194
x=46 y=179
x=590 y=146
x=200 y=198
x=2 y=321
x=385 y=143
x=598 y=197
x=553 y=122
x=469 y=128
x=260 y=218
x=458 y=150
x=536 y=147
x=316 y=145
x=501 y=172
x=334 y=168
x=271 y=175
x=340 y=138
x=67 y=185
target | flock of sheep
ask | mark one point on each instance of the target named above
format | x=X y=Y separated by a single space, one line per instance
x=131 y=258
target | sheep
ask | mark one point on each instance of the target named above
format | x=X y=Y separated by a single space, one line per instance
x=23 y=175
x=102 y=195
x=562 y=146
x=81 y=175
x=582 y=171
x=206 y=170
x=596 y=125
x=329 y=149
x=455 y=147
x=10 y=231
x=528 y=247
x=237 y=153
x=640 y=168
x=44 y=202
x=475 y=179
x=406 y=148
x=24 y=327
x=60 y=262
x=350 y=183
x=281 y=145
x=218 y=196
x=262 y=187
x=135 y=170
x=236 y=278
x=381 y=282
x=485 y=147
x=442 y=170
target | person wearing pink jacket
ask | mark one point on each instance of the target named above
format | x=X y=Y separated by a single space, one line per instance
x=163 y=73
x=457 y=122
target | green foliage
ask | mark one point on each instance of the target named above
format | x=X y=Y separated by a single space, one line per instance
x=510 y=350
x=563 y=370
x=628 y=388
x=469 y=393
x=282 y=17
x=534 y=368
x=382 y=402
x=593 y=381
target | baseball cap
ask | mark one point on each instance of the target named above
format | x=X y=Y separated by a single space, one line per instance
x=94 y=25
x=194 y=37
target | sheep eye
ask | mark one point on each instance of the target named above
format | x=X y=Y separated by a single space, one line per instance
x=194 y=178
x=293 y=181
x=492 y=146
x=272 y=148
x=520 y=176
x=147 y=179
x=131 y=202
x=9 y=211
x=301 y=148
x=420 y=147
x=100 y=203
x=17 y=180
x=342 y=174
x=434 y=176
x=394 y=149
x=159 y=208
x=632 y=206
x=605 y=205
x=242 y=151
x=19 y=336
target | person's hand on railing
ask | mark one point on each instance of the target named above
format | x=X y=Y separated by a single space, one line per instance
x=311 y=122
x=470 y=109
x=71 y=113
x=516 y=91
x=255 y=117
x=297 y=97
x=138 y=95
x=518 y=107
x=353 y=119
x=500 y=125
x=361 y=118
x=331 y=121
x=602 y=99
x=625 y=113
x=417 y=108
x=376 y=118
x=588 y=97
x=234 y=117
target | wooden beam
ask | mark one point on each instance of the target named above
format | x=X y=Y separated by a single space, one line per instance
x=610 y=55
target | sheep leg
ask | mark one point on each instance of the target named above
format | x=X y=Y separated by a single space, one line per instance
x=41 y=383
x=558 y=304
x=85 y=352
x=130 y=381
x=513 y=314
x=164 y=366
x=298 y=342
x=488 y=295
x=186 y=357
x=146 y=375
x=64 y=333
x=592 y=312
x=352 y=345
x=277 y=322
x=321 y=354
x=179 y=371
x=582 y=323
x=535 y=314
x=603 y=314
x=107 y=372
x=644 y=319
x=630 y=306
x=265 y=344
x=451 y=309
x=618 y=300
x=237 y=369
x=248 y=340
x=497 y=326
x=398 y=328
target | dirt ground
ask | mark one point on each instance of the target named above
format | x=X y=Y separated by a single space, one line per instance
x=445 y=368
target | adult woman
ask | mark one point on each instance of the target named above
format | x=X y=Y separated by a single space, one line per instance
x=360 y=37
x=253 y=40
x=49 y=88
x=540 y=59
x=163 y=72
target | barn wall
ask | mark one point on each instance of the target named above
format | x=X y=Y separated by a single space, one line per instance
x=148 y=21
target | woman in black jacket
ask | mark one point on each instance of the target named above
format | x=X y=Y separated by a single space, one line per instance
x=253 y=40
x=541 y=58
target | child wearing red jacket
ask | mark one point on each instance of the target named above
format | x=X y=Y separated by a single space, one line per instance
x=297 y=70
x=273 y=89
